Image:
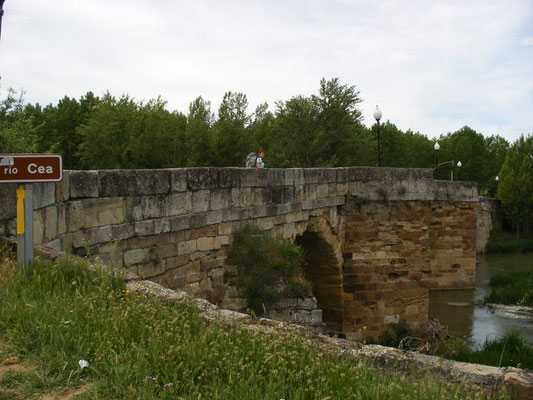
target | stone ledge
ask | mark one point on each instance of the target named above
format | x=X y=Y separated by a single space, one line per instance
x=481 y=377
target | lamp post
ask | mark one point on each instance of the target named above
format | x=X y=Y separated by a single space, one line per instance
x=459 y=165
x=377 y=116
x=437 y=148
x=1 y=14
x=497 y=180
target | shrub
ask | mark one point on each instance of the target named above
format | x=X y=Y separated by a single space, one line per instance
x=511 y=350
x=266 y=262
x=514 y=288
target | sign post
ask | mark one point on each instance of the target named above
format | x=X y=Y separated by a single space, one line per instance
x=27 y=169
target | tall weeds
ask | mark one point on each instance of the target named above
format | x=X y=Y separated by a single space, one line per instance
x=139 y=347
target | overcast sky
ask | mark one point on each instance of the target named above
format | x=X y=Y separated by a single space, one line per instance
x=431 y=66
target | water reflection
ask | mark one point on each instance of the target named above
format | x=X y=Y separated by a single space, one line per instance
x=463 y=310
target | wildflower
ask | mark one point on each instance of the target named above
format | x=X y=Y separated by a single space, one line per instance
x=74 y=283
x=83 y=363
x=168 y=384
x=150 y=378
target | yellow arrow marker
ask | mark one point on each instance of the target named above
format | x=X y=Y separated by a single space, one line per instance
x=21 y=194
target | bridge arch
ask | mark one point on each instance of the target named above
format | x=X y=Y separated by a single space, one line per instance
x=323 y=267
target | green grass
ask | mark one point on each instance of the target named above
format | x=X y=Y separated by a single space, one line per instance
x=140 y=347
x=501 y=241
x=511 y=350
x=513 y=288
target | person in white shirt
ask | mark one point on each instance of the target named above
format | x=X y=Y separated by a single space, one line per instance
x=259 y=163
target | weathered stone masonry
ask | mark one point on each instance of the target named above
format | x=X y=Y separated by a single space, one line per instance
x=377 y=238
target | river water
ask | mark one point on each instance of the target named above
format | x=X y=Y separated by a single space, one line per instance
x=463 y=311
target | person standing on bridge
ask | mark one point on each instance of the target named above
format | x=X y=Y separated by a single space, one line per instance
x=255 y=160
x=259 y=163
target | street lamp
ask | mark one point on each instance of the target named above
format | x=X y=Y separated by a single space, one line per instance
x=377 y=116
x=459 y=165
x=437 y=148
x=1 y=14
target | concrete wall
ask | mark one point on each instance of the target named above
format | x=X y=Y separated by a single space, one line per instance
x=173 y=226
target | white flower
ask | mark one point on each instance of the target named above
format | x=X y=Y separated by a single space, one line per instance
x=83 y=363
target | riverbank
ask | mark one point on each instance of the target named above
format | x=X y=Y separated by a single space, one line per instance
x=138 y=346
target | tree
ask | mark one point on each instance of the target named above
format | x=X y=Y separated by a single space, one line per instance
x=107 y=133
x=339 y=124
x=17 y=132
x=294 y=133
x=515 y=187
x=198 y=133
x=497 y=148
x=231 y=138
x=467 y=146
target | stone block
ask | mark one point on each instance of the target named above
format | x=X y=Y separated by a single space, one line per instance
x=327 y=175
x=253 y=177
x=44 y=194
x=8 y=203
x=50 y=223
x=311 y=175
x=122 y=232
x=229 y=177
x=38 y=227
x=133 y=209
x=200 y=200
x=152 y=181
x=61 y=219
x=62 y=188
x=201 y=178
x=178 y=179
x=220 y=199
x=144 y=228
x=321 y=190
x=205 y=244
x=154 y=206
x=241 y=197
x=289 y=177
x=117 y=182
x=150 y=270
x=83 y=184
x=275 y=177
x=103 y=211
x=298 y=177
x=179 y=203
x=136 y=256
x=75 y=215
x=186 y=247
x=310 y=191
x=161 y=225
x=214 y=217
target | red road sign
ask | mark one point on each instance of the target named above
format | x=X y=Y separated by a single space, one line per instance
x=27 y=168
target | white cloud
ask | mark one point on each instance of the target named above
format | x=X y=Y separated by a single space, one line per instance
x=432 y=66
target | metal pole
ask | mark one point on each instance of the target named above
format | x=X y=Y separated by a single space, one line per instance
x=1 y=15
x=24 y=225
x=21 y=243
x=28 y=221
x=437 y=164
x=379 y=147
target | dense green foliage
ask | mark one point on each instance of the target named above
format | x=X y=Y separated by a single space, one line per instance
x=268 y=267
x=501 y=241
x=139 y=347
x=511 y=350
x=513 y=288
x=322 y=130
x=516 y=185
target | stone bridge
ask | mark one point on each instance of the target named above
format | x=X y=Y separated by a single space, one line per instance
x=376 y=238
